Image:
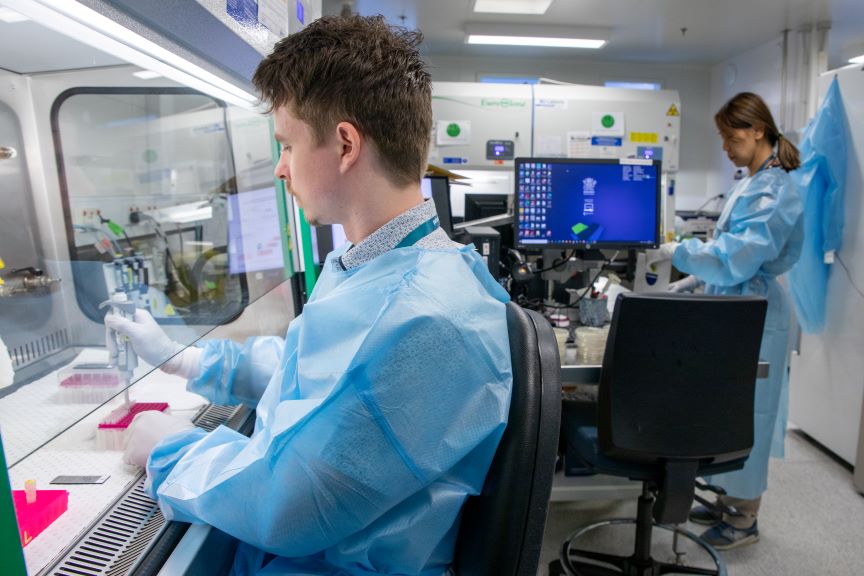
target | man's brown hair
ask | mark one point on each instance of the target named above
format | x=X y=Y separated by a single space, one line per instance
x=360 y=70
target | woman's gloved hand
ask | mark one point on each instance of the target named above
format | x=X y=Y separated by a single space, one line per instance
x=664 y=252
x=146 y=430
x=687 y=284
x=154 y=346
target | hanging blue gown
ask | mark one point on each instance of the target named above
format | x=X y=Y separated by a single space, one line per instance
x=822 y=182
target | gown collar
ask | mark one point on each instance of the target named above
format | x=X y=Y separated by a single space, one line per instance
x=389 y=236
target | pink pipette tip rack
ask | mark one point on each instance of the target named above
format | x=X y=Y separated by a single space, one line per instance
x=111 y=432
x=97 y=379
x=91 y=386
x=35 y=517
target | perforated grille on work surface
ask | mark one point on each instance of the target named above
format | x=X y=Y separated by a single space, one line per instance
x=117 y=540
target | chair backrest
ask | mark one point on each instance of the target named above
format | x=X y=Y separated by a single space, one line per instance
x=678 y=377
x=502 y=528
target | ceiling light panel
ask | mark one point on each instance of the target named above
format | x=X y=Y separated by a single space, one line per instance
x=511 y=6
x=536 y=35
x=536 y=41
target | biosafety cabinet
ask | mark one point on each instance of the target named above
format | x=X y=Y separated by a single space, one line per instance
x=131 y=167
x=480 y=128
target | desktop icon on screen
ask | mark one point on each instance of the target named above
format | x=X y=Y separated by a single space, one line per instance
x=586 y=232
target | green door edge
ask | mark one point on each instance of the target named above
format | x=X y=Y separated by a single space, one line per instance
x=311 y=269
x=10 y=540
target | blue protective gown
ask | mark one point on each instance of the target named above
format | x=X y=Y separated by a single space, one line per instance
x=379 y=414
x=822 y=181
x=758 y=237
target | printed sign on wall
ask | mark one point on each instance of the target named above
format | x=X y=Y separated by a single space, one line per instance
x=607 y=124
x=453 y=132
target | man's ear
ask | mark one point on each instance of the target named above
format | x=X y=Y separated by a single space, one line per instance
x=351 y=145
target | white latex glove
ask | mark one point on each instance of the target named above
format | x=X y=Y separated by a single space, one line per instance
x=687 y=284
x=665 y=252
x=146 y=430
x=148 y=340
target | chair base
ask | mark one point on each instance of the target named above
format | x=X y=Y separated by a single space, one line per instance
x=572 y=562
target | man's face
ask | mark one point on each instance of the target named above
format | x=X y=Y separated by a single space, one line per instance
x=310 y=171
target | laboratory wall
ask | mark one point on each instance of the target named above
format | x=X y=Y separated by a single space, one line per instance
x=827 y=374
x=691 y=82
x=757 y=70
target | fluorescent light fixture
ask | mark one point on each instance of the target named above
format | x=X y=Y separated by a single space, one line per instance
x=146 y=74
x=536 y=41
x=185 y=213
x=633 y=84
x=92 y=28
x=857 y=60
x=511 y=6
x=11 y=16
x=547 y=36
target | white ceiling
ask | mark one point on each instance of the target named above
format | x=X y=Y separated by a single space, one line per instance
x=28 y=47
x=642 y=30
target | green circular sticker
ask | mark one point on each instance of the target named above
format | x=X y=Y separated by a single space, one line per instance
x=150 y=156
x=608 y=121
x=453 y=130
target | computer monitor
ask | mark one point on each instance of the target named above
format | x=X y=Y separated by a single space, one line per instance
x=325 y=239
x=254 y=238
x=587 y=203
x=484 y=205
x=438 y=189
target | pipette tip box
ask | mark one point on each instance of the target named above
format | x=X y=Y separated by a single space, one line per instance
x=35 y=517
x=88 y=385
x=111 y=432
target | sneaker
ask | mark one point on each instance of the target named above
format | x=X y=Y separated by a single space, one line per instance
x=705 y=516
x=724 y=536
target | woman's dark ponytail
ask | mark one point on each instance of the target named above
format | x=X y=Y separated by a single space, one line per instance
x=787 y=154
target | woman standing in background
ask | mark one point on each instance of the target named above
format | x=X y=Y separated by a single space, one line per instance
x=758 y=237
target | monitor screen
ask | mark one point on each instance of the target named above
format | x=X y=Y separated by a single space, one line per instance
x=596 y=203
x=254 y=241
x=325 y=239
x=438 y=188
x=479 y=206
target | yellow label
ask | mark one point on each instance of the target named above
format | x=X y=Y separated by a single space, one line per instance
x=644 y=137
x=673 y=111
x=27 y=538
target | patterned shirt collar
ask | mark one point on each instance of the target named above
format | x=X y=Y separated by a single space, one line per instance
x=387 y=236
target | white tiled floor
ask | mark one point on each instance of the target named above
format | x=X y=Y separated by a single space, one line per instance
x=811 y=522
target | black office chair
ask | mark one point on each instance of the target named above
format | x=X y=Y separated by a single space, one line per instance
x=675 y=402
x=502 y=528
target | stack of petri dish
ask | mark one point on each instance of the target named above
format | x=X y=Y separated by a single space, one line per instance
x=591 y=344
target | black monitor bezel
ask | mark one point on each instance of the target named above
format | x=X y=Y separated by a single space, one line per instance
x=499 y=198
x=441 y=197
x=585 y=245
